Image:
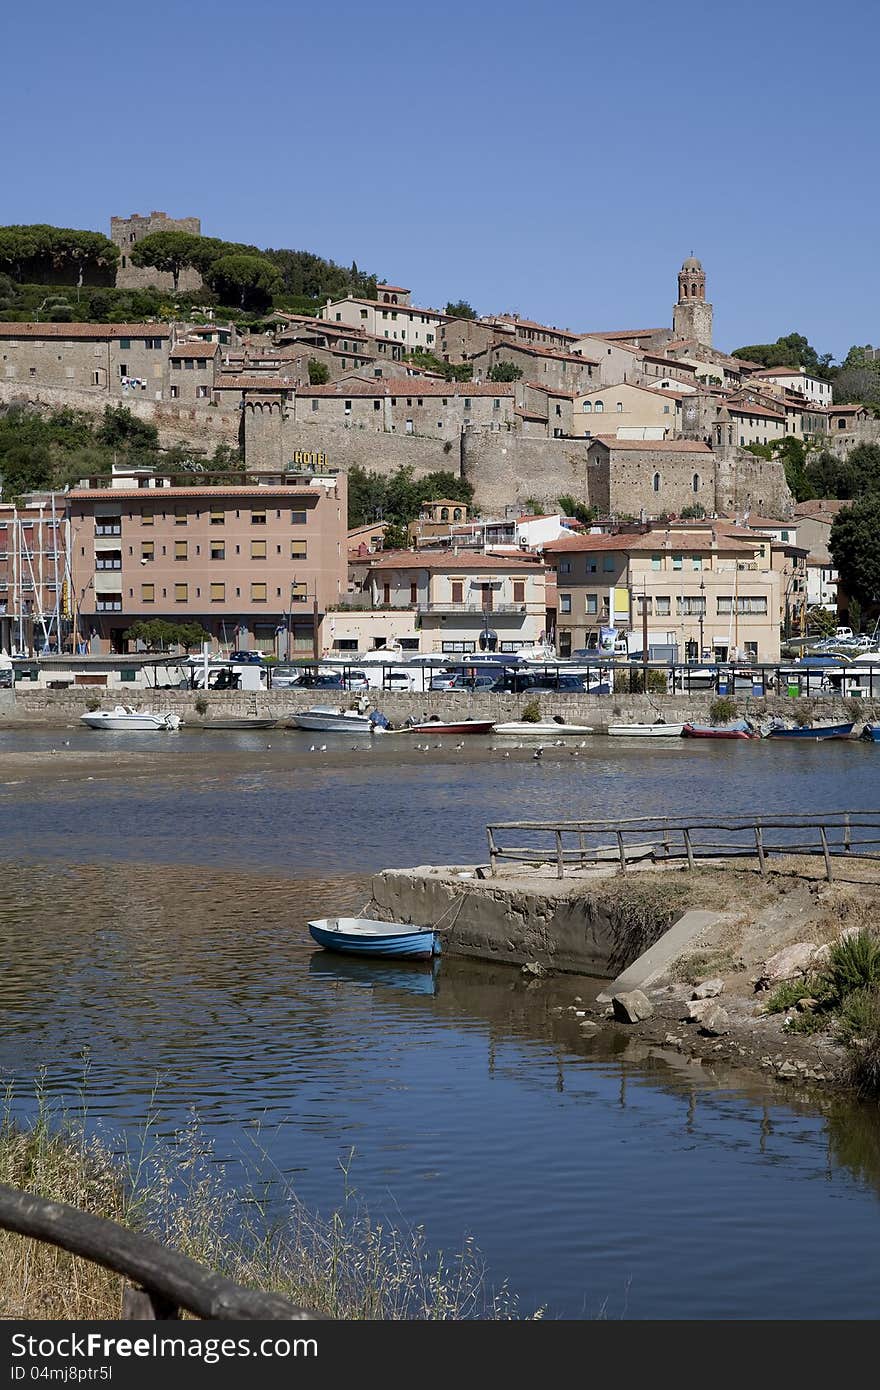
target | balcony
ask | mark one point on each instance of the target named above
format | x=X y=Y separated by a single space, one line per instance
x=475 y=610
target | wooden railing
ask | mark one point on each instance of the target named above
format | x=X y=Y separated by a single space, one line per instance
x=582 y=844
x=159 y=1282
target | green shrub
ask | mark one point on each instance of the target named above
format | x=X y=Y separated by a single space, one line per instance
x=853 y=964
x=722 y=710
x=532 y=712
x=789 y=993
x=200 y=704
x=806 y=1023
x=93 y=705
x=859 y=1029
x=633 y=682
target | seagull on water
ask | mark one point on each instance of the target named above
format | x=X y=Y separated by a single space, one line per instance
x=538 y=753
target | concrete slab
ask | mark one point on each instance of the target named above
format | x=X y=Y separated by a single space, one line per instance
x=654 y=962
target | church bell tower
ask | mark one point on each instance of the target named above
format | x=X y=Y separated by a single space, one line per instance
x=692 y=315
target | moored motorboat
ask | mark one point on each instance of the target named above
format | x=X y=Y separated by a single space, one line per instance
x=459 y=726
x=135 y=720
x=737 y=728
x=363 y=936
x=330 y=719
x=808 y=731
x=236 y=724
x=544 y=728
x=659 y=729
x=871 y=733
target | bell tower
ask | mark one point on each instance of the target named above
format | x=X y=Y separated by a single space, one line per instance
x=692 y=315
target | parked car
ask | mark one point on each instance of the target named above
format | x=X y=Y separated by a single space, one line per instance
x=444 y=680
x=355 y=680
x=308 y=680
x=538 y=681
x=246 y=658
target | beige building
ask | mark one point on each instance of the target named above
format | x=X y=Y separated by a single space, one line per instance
x=548 y=367
x=457 y=598
x=382 y=318
x=708 y=593
x=627 y=411
x=256 y=566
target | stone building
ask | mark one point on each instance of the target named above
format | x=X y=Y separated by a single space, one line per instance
x=126 y=232
x=256 y=566
x=549 y=367
x=408 y=406
x=119 y=359
x=692 y=315
x=656 y=476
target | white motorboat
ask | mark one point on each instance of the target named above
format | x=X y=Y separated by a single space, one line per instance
x=125 y=717
x=660 y=729
x=330 y=719
x=544 y=728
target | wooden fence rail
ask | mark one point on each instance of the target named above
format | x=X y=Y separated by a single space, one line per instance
x=166 y=1281
x=580 y=844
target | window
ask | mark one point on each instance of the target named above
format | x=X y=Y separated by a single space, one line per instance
x=258 y=593
x=298 y=592
x=123 y=369
x=608 y=564
x=125 y=344
x=348 y=407
x=677 y=562
x=496 y=405
x=697 y=562
x=693 y=606
x=298 y=518
x=753 y=604
x=641 y=601
x=592 y=564
x=109 y=526
x=218 y=516
x=662 y=605
x=181 y=593
x=148 y=550
x=666 y=410
x=176 y=364
x=148 y=593
x=591 y=603
x=619 y=407
x=179 y=516
x=656 y=482
x=218 y=550
x=565 y=566
x=218 y=593
x=565 y=603
x=154 y=343
x=457 y=591
x=377 y=405
x=201 y=392
x=109 y=603
x=588 y=407
x=297 y=550
x=258 y=550
x=413 y=591
x=180 y=550
x=467 y=402
x=258 y=516
x=315 y=404
x=174 y=392
x=519 y=591
x=599 y=407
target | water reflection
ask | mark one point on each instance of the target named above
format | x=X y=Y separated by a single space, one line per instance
x=163 y=931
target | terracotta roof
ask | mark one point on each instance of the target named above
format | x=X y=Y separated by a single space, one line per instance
x=626 y=333
x=846 y=409
x=782 y=371
x=667 y=446
x=194 y=350
x=397 y=308
x=552 y=390
x=253 y=383
x=818 y=508
x=154 y=494
x=409 y=559
x=741 y=407
x=667 y=361
x=658 y=539
x=629 y=385
x=408 y=386
x=84 y=330
x=400 y=289
x=530 y=323
x=506 y=345
x=525 y=414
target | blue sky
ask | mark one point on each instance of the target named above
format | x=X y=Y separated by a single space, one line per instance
x=558 y=160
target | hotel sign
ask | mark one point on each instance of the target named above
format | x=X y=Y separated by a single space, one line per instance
x=307 y=458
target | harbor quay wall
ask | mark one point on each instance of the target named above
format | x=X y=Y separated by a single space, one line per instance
x=60 y=707
x=593 y=931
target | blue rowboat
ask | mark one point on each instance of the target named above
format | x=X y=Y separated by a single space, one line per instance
x=871 y=733
x=813 y=731
x=361 y=936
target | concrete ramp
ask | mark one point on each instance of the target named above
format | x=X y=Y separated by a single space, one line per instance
x=654 y=963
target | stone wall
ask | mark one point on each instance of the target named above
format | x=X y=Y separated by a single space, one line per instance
x=203 y=427
x=58 y=708
x=270 y=443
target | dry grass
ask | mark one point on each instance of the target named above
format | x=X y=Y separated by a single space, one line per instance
x=343 y=1266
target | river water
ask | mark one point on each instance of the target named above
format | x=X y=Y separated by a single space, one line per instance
x=154 y=893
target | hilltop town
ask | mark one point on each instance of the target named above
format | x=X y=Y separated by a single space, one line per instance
x=659 y=444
